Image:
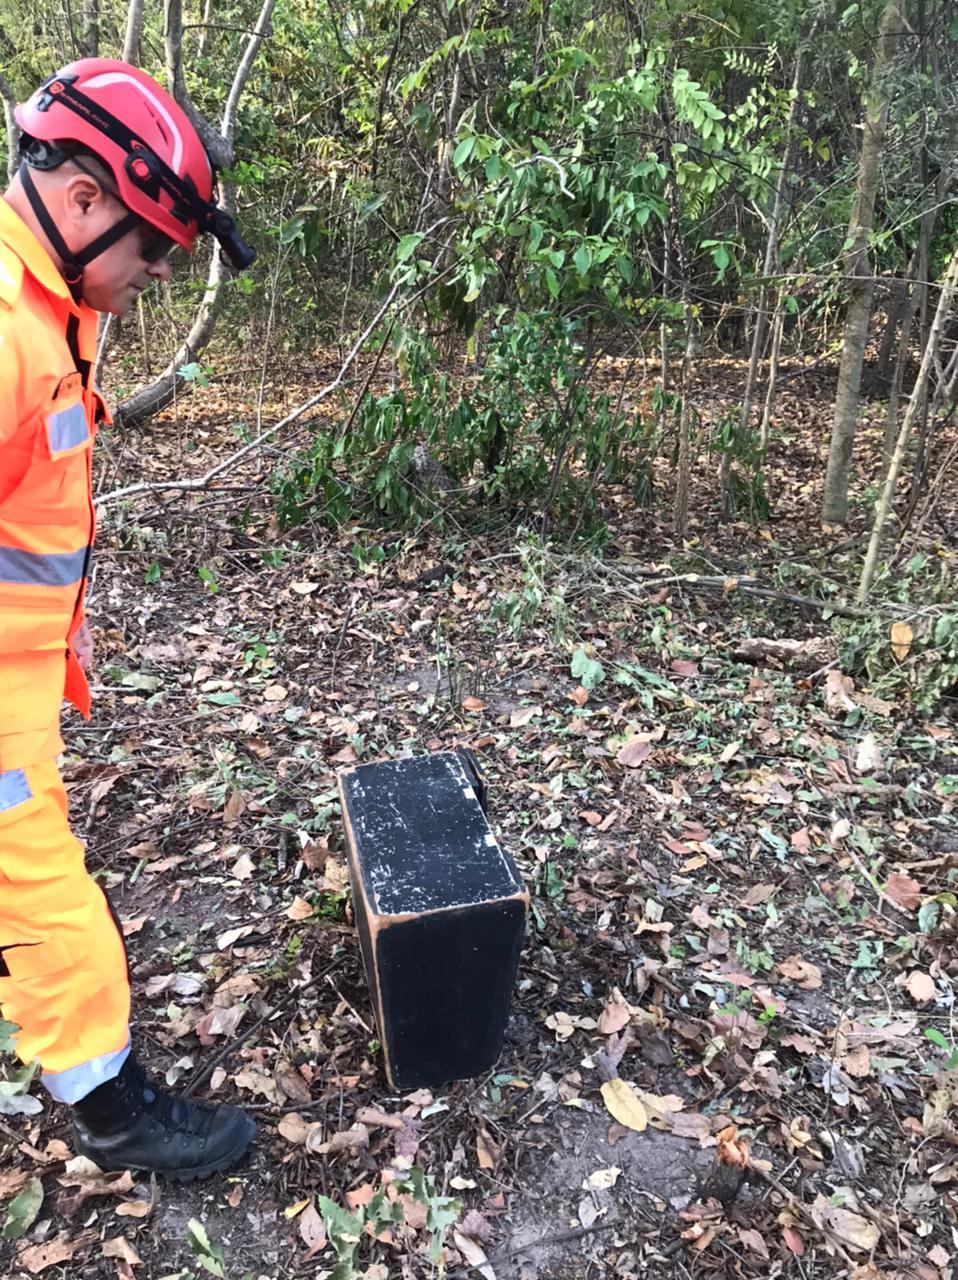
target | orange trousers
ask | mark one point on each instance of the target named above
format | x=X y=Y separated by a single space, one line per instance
x=63 y=974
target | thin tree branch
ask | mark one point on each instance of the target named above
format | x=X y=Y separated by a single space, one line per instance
x=228 y=126
x=176 y=80
x=13 y=131
x=192 y=483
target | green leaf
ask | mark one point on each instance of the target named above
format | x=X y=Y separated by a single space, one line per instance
x=8 y=1031
x=343 y=1228
x=408 y=245
x=928 y=914
x=586 y=670
x=935 y=1036
x=464 y=150
x=208 y=1255
x=22 y=1210
x=582 y=259
x=223 y=699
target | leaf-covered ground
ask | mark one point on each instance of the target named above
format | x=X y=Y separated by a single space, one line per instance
x=732 y=1047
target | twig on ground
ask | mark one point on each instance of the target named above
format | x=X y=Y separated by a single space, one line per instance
x=750 y=586
x=207 y=1068
x=362 y=1022
x=192 y=483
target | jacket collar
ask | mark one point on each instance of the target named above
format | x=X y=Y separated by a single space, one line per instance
x=18 y=236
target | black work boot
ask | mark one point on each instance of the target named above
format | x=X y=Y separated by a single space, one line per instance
x=130 y=1123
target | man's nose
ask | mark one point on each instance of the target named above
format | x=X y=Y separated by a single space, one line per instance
x=160 y=271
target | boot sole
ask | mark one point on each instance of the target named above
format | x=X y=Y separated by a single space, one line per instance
x=195 y=1174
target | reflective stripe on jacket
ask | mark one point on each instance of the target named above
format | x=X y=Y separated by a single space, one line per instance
x=48 y=419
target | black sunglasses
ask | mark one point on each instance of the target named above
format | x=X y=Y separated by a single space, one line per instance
x=154 y=246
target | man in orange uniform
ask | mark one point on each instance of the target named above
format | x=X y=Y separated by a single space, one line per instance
x=113 y=178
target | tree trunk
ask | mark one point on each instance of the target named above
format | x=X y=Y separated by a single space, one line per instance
x=90 y=29
x=453 y=110
x=176 y=79
x=778 y=328
x=202 y=47
x=916 y=400
x=134 y=32
x=683 y=479
x=858 y=270
x=770 y=264
x=158 y=395
x=13 y=132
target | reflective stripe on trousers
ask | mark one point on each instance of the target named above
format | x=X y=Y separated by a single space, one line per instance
x=63 y=978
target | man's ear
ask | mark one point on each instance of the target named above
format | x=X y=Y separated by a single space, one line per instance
x=82 y=197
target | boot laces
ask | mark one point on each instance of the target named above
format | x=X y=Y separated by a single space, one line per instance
x=181 y=1115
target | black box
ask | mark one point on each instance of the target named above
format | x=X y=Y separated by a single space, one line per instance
x=440 y=910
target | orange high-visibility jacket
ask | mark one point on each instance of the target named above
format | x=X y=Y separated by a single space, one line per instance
x=48 y=418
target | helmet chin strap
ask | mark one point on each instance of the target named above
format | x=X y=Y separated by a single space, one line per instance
x=72 y=263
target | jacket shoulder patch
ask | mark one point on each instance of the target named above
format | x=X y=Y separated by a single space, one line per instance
x=11 y=276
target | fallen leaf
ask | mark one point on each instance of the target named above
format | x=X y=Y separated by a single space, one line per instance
x=348 y=1140
x=850 y=1229
x=868 y=757
x=471 y=1251
x=803 y=973
x=838 y=691
x=754 y=1241
x=691 y=1125
x=40 y=1256
x=602 y=1179
x=921 y=988
x=234 y=808
x=901 y=638
x=360 y=1196
x=634 y=752
x=22 y=1210
x=11 y=1180
x=683 y=667
x=120 y=1247
x=661 y=1110
x=588 y=1212
x=312 y=1229
x=295 y=1129
x=623 y=1104
x=793 y=1241
x=243 y=867
x=274 y=693
x=523 y=715
x=379 y=1119
x=580 y=696
x=614 y=1016
x=134 y=1209
x=335 y=876
x=299 y=909
x=487 y=1152
x=904 y=891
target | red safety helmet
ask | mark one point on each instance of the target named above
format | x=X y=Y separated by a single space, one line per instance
x=119 y=114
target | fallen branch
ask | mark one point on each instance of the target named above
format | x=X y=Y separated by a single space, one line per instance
x=191 y=484
x=752 y=587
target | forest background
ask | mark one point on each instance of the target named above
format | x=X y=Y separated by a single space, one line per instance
x=592 y=397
